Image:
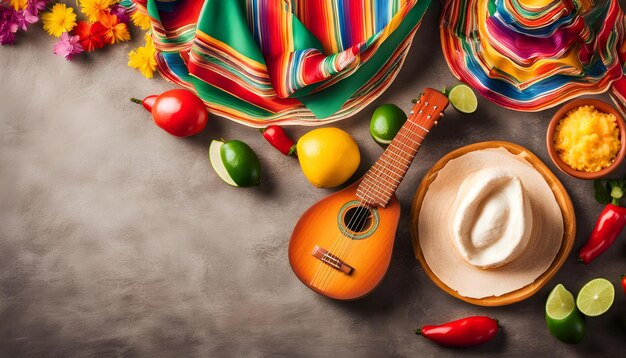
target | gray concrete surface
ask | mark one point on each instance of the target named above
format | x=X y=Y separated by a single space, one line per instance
x=118 y=240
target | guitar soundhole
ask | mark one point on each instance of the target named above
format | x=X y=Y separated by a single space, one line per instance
x=358 y=219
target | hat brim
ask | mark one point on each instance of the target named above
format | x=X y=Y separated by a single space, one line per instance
x=552 y=236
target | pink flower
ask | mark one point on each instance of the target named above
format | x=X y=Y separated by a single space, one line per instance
x=30 y=17
x=8 y=18
x=67 y=46
x=34 y=6
x=9 y=24
x=23 y=18
x=6 y=37
x=12 y=20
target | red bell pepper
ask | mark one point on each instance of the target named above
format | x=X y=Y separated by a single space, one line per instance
x=610 y=223
x=623 y=279
x=277 y=137
x=465 y=332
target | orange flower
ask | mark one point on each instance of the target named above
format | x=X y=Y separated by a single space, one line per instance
x=113 y=30
x=90 y=35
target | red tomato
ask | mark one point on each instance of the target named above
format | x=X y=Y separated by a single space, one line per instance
x=179 y=112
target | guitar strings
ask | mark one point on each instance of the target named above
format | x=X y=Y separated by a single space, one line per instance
x=404 y=139
x=329 y=276
x=345 y=246
x=371 y=193
x=412 y=132
x=343 y=252
x=326 y=270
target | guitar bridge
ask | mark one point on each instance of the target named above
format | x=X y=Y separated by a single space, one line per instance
x=331 y=260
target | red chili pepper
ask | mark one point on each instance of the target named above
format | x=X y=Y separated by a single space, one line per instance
x=623 y=278
x=465 y=332
x=277 y=137
x=609 y=225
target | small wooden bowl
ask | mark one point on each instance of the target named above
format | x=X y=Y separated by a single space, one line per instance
x=602 y=107
x=560 y=194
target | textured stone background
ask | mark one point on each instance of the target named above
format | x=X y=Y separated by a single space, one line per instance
x=117 y=239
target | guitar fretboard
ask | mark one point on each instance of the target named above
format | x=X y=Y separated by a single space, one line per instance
x=380 y=183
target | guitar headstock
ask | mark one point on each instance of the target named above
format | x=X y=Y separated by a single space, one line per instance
x=429 y=108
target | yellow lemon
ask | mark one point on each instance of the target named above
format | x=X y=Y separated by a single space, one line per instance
x=328 y=156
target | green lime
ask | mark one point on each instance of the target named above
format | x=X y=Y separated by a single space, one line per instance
x=463 y=98
x=563 y=319
x=235 y=162
x=386 y=122
x=596 y=297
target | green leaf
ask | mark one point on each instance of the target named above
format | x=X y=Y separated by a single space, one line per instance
x=601 y=191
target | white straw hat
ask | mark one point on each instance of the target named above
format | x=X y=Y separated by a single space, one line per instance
x=545 y=248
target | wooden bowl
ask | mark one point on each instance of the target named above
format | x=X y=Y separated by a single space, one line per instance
x=562 y=198
x=602 y=107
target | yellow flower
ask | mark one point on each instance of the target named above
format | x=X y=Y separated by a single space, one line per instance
x=59 y=20
x=96 y=9
x=19 y=4
x=115 y=31
x=142 y=58
x=140 y=19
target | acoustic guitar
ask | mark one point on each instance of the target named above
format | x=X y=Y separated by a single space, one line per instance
x=341 y=246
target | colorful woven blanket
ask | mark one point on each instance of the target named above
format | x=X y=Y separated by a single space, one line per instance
x=534 y=54
x=283 y=61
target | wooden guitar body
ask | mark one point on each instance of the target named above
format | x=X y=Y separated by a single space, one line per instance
x=367 y=252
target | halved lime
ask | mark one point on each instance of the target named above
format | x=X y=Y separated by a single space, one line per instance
x=463 y=98
x=563 y=319
x=386 y=122
x=596 y=297
x=560 y=303
x=217 y=164
x=235 y=162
